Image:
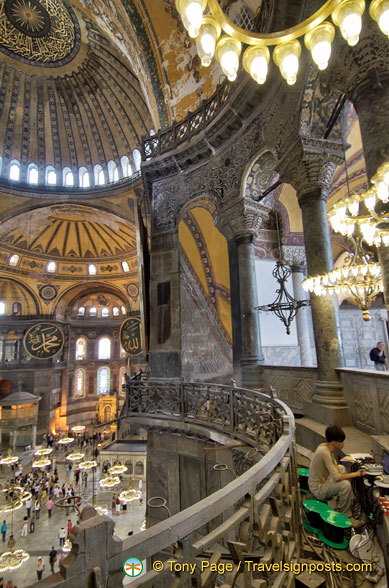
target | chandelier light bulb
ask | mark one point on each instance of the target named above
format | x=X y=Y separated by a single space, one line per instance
x=369 y=198
x=379 y=11
x=255 y=62
x=353 y=207
x=191 y=12
x=227 y=53
x=381 y=187
x=383 y=171
x=348 y=17
x=318 y=42
x=286 y=56
x=206 y=40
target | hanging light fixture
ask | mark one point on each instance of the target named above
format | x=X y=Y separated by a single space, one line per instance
x=318 y=33
x=41 y=452
x=42 y=462
x=87 y=465
x=66 y=440
x=10 y=459
x=75 y=456
x=12 y=560
x=78 y=429
x=109 y=481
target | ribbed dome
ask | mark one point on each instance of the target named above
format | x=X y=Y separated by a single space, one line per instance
x=12 y=292
x=81 y=107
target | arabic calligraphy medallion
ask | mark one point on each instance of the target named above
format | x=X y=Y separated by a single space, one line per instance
x=130 y=336
x=43 y=340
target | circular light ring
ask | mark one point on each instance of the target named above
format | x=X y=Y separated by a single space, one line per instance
x=130 y=495
x=66 y=440
x=117 y=470
x=75 y=457
x=41 y=463
x=87 y=465
x=78 y=429
x=43 y=451
x=12 y=506
x=10 y=460
x=109 y=482
x=12 y=560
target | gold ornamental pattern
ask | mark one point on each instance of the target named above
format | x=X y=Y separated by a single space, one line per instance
x=40 y=31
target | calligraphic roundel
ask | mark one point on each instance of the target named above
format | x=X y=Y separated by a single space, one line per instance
x=43 y=340
x=130 y=336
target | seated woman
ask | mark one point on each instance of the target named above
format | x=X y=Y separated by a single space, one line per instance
x=327 y=479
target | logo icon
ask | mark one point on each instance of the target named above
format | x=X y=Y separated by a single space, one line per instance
x=133 y=567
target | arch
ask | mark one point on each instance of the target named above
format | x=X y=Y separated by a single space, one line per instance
x=67 y=177
x=99 y=175
x=81 y=311
x=18 y=292
x=50 y=175
x=113 y=172
x=103 y=380
x=16 y=308
x=83 y=178
x=259 y=175
x=126 y=167
x=104 y=351
x=115 y=311
x=69 y=297
x=81 y=346
x=104 y=312
x=107 y=413
x=137 y=159
x=32 y=173
x=139 y=468
x=14 y=170
x=79 y=383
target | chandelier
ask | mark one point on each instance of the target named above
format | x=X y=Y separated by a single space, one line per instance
x=109 y=481
x=117 y=469
x=42 y=462
x=88 y=464
x=317 y=31
x=66 y=440
x=12 y=560
x=130 y=495
x=75 y=456
x=10 y=459
x=41 y=452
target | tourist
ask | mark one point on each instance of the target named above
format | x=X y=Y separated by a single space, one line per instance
x=70 y=526
x=378 y=356
x=49 y=506
x=32 y=523
x=117 y=505
x=52 y=558
x=40 y=566
x=37 y=508
x=24 y=528
x=4 y=532
x=28 y=507
x=327 y=479
x=62 y=536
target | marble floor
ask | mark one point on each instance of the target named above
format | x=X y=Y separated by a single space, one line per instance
x=46 y=531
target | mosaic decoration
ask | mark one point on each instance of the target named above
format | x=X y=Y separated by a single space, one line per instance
x=48 y=292
x=42 y=31
x=43 y=340
x=133 y=291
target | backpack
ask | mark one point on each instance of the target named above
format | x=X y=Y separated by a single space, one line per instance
x=372 y=355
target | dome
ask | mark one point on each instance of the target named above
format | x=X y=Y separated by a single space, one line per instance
x=20 y=397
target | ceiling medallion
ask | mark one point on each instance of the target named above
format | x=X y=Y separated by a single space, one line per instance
x=42 y=31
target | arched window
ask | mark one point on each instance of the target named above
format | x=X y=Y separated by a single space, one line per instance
x=83 y=177
x=126 y=167
x=16 y=308
x=125 y=266
x=139 y=468
x=99 y=175
x=104 y=348
x=92 y=270
x=2 y=308
x=137 y=159
x=81 y=311
x=104 y=311
x=122 y=380
x=115 y=311
x=103 y=381
x=123 y=310
x=32 y=174
x=81 y=348
x=50 y=175
x=13 y=260
x=107 y=414
x=14 y=170
x=79 y=383
x=113 y=174
x=51 y=267
x=92 y=311
x=67 y=177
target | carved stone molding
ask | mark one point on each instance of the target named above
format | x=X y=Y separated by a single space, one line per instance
x=242 y=217
x=310 y=164
x=294 y=255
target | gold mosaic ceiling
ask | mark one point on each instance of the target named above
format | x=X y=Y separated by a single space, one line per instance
x=73 y=232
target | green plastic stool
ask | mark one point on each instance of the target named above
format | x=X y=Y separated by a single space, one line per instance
x=335 y=524
x=314 y=509
x=303 y=474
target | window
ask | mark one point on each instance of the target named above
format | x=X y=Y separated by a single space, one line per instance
x=98 y=175
x=139 y=468
x=125 y=266
x=137 y=159
x=80 y=349
x=122 y=380
x=81 y=311
x=79 y=383
x=16 y=308
x=126 y=167
x=68 y=178
x=51 y=267
x=103 y=381
x=2 y=308
x=113 y=174
x=115 y=311
x=123 y=310
x=32 y=174
x=13 y=260
x=104 y=348
x=83 y=175
x=14 y=171
x=93 y=311
x=51 y=175
x=92 y=270
x=104 y=312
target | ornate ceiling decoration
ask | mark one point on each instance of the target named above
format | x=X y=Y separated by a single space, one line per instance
x=38 y=31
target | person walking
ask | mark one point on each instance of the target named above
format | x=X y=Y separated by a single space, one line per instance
x=24 y=528
x=62 y=536
x=28 y=507
x=70 y=526
x=32 y=523
x=40 y=566
x=49 y=506
x=52 y=558
x=37 y=508
x=4 y=531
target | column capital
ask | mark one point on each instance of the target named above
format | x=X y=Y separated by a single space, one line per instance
x=241 y=218
x=309 y=165
x=294 y=255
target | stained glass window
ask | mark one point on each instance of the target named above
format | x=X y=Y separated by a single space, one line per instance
x=104 y=348
x=79 y=383
x=103 y=381
x=81 y=349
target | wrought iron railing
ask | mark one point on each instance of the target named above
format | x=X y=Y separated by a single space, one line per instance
x=194 y=122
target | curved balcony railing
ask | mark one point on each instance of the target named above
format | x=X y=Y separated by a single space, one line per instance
x=194 y=122
x=254 y=517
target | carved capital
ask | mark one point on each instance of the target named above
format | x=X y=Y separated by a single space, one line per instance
x=241 y=217
x=310 y=163
x=168 y=198
x=294 y=255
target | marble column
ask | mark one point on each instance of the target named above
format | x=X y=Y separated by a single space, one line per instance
x=240 y=221
x=309 y=167
x=33 y=436
x=14 y=440
x=302 y=316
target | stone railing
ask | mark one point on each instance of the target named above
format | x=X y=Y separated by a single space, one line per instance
x=367 y=395
x=194 y=122
x=253 y=518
